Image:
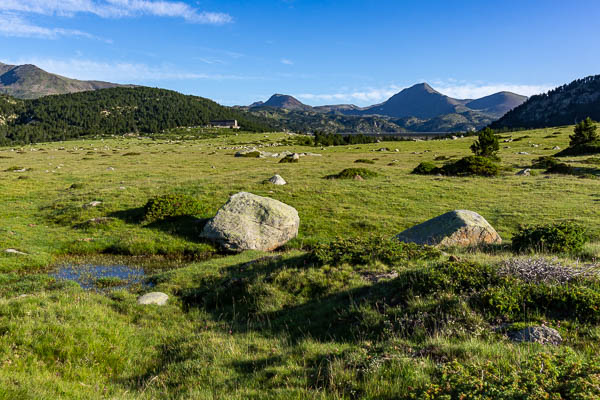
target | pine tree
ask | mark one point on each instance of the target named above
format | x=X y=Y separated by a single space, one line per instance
x=486 y=145
x=584 y=132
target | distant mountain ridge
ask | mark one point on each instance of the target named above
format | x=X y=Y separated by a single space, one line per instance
x=420 y=101
x=31 y=82
x=565 y=105
x=417 y=108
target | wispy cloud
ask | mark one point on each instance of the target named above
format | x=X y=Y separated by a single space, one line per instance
x=121 y=72
x=287 y=61
x=451 y=87
x=464 y=90
x=15 y=26
x=116 y=9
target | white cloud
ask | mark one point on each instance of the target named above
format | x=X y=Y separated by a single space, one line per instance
x=287 y=61
x=475 y=91
x=120 y=72
x=15 y=26
x=116 y=9
x=450 y=87
x=369 y=95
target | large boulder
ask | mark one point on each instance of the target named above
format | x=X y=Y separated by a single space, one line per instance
x=251 y=222
x=455 y=228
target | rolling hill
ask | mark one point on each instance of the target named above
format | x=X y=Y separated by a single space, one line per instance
x=564 y=105
x=112 y=111
x=30 y=82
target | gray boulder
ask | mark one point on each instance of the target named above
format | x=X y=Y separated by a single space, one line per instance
x=455 y=228
x=251 y=222
x=158 y=298
x=277 y=180
x=536 y=334
x=524 y=172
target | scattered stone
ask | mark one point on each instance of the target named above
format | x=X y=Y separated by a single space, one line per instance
x=358 y=178
x=524 y=153
x=110 y=169
x=158 y=298
x=277 y=180
x=92 y=204
x=14 y=251
x=536 y=334
x=454 y=138
x=524 y=172
x=454 y=228
x=251 y=222
x=556 y=148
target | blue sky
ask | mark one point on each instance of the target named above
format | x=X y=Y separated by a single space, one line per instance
x=322 y=52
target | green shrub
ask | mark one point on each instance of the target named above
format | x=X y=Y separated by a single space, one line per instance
x=560 y=168
x=471 y=165
x=350 y=173
x=557 y=375
x=364 y=161
x=427 y=168
x=486 y=145
x=172 y=205
x=362 y=251
x=557 y=238
x=544 y=162
x=581 y=149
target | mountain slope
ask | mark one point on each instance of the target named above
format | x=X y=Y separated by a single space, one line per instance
x=30 y=82
x=421 y=101
x=564 y=105
x=112 y=111
x=497 y=104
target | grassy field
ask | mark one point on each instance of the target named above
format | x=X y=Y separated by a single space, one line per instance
x=246 y=326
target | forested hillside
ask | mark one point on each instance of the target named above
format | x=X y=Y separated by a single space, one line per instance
x=564 y=105
x=111 y=111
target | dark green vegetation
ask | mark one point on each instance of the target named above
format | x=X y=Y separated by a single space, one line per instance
x=556 y=238
x=342 y=311
x=561 y=106
x=486 y=144
x=485 y=148
x=172 y=205
x=351 y=173
x=584 y=140
x=113 y=111
x=335 y=139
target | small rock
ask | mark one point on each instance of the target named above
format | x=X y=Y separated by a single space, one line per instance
x=358 y=178
x=524 y=153
x=110 y=169
x=556 y=148
x=92 y=204
x=158 y=298
x=277 y=180
x=536 y=334
x=524 y=172
x=14 y=251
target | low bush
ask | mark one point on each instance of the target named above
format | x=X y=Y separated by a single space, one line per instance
x=544 y=162
x=471 y=165
x=172 y=205
x=560 y=168
x=580 y=150
x=250 y=154
x=350 y=173
x=427 y=168
x=556 y=238
x=467 y=166
x=364 y=161
x=362 y=251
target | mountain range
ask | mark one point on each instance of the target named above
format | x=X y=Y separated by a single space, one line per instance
x=417 y=108
x=30 y=82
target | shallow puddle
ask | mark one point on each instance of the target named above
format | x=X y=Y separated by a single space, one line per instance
x=101 y=277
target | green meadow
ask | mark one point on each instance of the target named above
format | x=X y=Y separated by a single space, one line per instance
x=278 y=325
